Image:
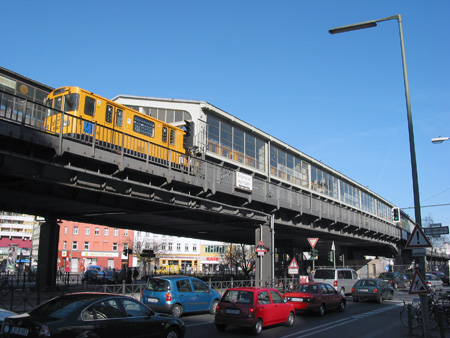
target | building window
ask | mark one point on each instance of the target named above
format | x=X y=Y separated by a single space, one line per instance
x=178 y=246
x=64 y=245
x=87 y=231
x=194 y=247
x=65 y=230
x=125 y=232
x=186 y=247
x=170 y=246
x=116 y=232
x=75 y=245
x=75 y=230
x=97 y=231
x=115 y=247
x=163 y=247
x=106 y=232
x=86 y=245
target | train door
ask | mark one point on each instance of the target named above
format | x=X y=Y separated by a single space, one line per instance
x=113 y=124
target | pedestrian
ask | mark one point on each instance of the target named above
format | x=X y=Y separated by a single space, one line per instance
x=135 y=275
x=129 y=274
x=310 y=276
x=115 y=277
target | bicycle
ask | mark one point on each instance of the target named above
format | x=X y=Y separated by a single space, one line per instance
x=416 y=313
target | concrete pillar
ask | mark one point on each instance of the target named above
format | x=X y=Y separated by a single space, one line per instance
x=265 y=263
x=48 y=253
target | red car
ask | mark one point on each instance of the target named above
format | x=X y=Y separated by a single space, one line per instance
x=316 y=297
x=253 y=308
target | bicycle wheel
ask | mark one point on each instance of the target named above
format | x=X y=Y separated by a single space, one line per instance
x=404 y=316
x=433 y=321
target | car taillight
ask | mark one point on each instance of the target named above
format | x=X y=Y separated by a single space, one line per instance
x=168 y=296
x=217 y=308
x=335 y=283
x=44 y=331
x=353 y=290
x=251 y=312
x=375 y=290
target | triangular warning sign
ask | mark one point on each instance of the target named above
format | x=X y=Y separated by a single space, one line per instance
x=418 y=285
x=418 y=239
x=261 y=247
x=313 y=242
x=293 y=264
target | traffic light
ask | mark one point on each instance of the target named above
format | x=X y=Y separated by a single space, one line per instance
x=396 y=214
x=330 y=256
x=188 y=139
x=314 y=254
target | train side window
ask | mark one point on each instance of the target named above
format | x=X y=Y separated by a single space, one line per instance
x=119 y=117
x=143 y=126
x=172 y=137
x=109 y=114
x=89 y=106
x=164 y=135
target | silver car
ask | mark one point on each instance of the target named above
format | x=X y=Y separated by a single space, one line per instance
x=434 y=283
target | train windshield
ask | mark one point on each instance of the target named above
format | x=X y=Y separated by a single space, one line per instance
x=67 y=103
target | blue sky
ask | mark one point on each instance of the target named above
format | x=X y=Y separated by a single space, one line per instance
x=338 y=98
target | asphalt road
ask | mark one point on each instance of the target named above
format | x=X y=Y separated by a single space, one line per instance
x=362 y=319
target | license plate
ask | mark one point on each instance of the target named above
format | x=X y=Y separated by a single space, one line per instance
x=297 y=299
x=232 y=311
x=152 y=300
x=363 y=290
x=20 y=331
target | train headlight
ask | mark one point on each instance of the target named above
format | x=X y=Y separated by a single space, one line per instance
x=66 y=123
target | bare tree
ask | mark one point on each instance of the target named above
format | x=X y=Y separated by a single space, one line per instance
x=241 y=256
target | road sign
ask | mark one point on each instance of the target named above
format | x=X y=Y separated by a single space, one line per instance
x=418 y=239
x=313 y=242
x=261 y=247
x=436 y=231
x=418 y=285
x=293 y=267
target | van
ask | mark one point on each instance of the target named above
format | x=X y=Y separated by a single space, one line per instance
x=342 y=279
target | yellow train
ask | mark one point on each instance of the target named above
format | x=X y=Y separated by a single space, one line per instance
x=87 y=116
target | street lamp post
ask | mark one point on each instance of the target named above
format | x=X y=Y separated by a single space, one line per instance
x=418 y=217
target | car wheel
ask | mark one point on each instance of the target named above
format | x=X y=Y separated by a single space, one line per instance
x=356 y=300
x=391 y=295
x=290 y=319
x=380 y=298
x=221 y=327
x=257 y=328
x=342 y=306
x=321 y=310
x=176 y=310
x=342 y=291
x=395 y=286
x=212 y=310
x=172 y=333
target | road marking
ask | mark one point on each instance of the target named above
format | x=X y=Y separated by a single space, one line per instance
x=340 y=322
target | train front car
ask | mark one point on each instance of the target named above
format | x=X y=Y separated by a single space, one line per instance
x=86 y=117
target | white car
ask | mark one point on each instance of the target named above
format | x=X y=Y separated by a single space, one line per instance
x=434 y=283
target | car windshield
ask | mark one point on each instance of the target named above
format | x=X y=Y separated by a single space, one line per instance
x=156 y=284
x=366 y=283
x=386 y=275
x=238 y=296
x=306 y=288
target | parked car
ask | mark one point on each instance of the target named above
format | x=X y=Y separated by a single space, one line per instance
x=179 y=294
x=91 y=277
x=395 y=279
x=316 y=297
x=341 y=279
x=434 y=283
x=5 y=314
x=98 y=268
x=444 y=278
x=372 y=289
x=253 y=308
x=92 y=315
